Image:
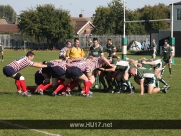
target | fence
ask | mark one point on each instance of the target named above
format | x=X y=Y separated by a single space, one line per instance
x=18 y=41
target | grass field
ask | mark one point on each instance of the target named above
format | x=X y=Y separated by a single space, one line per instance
x=101 y=106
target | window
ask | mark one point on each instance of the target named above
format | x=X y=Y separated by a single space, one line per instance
x=178 y=14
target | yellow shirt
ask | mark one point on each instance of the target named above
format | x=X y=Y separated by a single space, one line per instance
x=74 y=52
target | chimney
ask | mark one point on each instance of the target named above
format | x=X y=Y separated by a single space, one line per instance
x=80 y=15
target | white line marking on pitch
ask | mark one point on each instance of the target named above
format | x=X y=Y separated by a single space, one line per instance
x=36 y=130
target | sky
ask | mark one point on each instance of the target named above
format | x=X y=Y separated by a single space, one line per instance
x=76 y=7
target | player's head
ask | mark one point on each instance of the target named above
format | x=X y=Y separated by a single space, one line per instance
x=68 y=44
x=89 y=39
x=109 y=41
x=166 y=41
x=95 y=41
x=30 y=55
x=132 y=71
x=76 y=42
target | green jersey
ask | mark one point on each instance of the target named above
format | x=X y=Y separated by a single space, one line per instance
x=148 y=76
x=159 y=64
x=110 y=49
x=143 y=73
x=96 y=51
x=122 y=66
x=166 y=51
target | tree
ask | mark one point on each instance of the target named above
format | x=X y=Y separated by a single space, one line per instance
x=101 y=21
x=109 y=20
x=8 y=13
x=134 y=28
x=160 y=11
x=46 y=22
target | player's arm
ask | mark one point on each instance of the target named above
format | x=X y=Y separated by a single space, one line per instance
x=106 y=61
x=172 y=54
x=149 y=63
x=108 y=70
x=57 y=60
x=101 y=52
x=114 y=48
x=39 y=65
x=82 y=53
x=77 y=59
x=133 y=62
x=67 y=54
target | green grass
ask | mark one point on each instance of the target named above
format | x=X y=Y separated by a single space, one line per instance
x=101 y=106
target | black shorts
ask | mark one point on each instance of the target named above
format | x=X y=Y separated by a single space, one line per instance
x=9 y=71
x=46 y=71
x=57 y=72
x=73 y=72
x=38 y=78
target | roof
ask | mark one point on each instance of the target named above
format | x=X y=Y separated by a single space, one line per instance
x=87 y=23
x=176 y=3
x=80 y=23
x=81 y=19
x=3 y=21
x=9 y=28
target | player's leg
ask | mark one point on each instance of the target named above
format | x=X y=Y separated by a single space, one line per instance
x=102 y=80
x=21 y=79
x=170 y=68
x=160 y=78
x=127 y=81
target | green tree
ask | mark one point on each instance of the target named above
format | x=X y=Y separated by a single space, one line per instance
x=134 y=28
x=116 y=16
x=160 y=11
x=100 y=19
x=8 y=13
x=45 y=21
x=109 y=20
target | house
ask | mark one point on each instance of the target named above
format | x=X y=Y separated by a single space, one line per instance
x=177 y=26
x=82 y=25
x=8 y=28
x=161 y=35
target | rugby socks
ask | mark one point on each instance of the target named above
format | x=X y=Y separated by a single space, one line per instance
x=23 y=85
x=87 y=85
x=162 y=71
x=170 y=71
x=47 y=86
x=39 y=87
x=18 y=85
x=129 y=85
x=2 y=57
x=61 y=86
x=163 y=81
